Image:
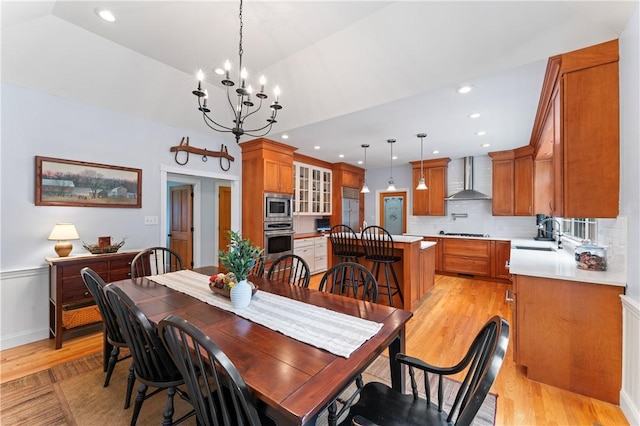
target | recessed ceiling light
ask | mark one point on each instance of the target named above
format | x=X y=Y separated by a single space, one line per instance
x=395 y=157
x=464 y=89
x=360 y=161
x=485 y=145
x=285 y=136
x=435 y=151
x=219 y=71
x=481 y=133
x=341 y=155
x=474 y=115
x=316 y=147
x=106 y=15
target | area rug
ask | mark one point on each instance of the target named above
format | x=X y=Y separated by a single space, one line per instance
x=72 y=394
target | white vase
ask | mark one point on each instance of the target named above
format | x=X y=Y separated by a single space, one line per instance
x=241 y=294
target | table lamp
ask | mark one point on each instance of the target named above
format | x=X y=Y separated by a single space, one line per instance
x=64 y=232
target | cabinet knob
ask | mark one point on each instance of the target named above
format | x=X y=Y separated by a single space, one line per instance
x=86 y=293
x=509 y=296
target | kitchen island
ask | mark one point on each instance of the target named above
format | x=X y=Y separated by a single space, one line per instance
x=416 y=270
x=568 y=321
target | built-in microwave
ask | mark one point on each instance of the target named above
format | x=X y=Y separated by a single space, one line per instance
x=277 y=207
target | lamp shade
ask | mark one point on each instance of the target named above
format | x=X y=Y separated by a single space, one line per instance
x=63 y=232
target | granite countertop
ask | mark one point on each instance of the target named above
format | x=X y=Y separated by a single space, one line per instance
x=559 y=264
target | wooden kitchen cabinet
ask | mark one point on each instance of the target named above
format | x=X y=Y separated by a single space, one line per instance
x=72 y=310
x=437 y=253
x=512 y=179
x=568 y=334
x=312 y=189
x=500 y=255
x=430 y=201
x=578 y=116
x=267 y=166
x=466 y=256
x=426 y=278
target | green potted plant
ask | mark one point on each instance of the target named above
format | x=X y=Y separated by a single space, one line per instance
x=239 y=259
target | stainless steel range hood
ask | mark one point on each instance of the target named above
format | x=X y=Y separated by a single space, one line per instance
x=468 y=193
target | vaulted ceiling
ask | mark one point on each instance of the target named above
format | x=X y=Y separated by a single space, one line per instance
x=351 y=72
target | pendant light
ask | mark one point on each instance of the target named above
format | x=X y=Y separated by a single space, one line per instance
x=421 y=183
x=392 y=186
x=365 y=188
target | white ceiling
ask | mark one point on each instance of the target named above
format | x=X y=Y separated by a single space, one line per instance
x=351 y=72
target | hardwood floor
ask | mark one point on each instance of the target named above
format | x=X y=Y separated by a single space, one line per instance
x=440 y=332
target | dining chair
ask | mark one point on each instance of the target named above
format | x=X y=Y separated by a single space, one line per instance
x=154 y=261
x=258 y=268
x=379 y=404
x=345 y=244
x=113 y=339
x=217 y=391
x=152 y=364
x=290 y=269
x=379 y=250
x=348 y=279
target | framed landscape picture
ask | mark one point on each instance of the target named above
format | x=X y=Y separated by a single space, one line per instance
x=81 y=184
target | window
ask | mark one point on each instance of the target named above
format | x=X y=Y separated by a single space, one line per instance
x=579 y=228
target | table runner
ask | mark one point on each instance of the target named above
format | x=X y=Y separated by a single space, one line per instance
x=338 y=333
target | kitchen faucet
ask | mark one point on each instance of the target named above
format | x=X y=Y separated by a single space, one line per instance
x=554 y=220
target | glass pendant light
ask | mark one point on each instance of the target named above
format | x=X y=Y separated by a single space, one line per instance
x=392 y=185
x=365 y=188
x=421 y=183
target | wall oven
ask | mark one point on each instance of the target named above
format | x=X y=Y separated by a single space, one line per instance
x=278 y=207
x=278 y=240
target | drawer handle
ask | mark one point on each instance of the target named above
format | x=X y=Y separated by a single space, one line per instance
x=507 y=264
x=509 y=296
x=86 y=293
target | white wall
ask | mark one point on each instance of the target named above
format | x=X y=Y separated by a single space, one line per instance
x=34 y=123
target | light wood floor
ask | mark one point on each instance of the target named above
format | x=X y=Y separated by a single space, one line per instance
x=440 y=332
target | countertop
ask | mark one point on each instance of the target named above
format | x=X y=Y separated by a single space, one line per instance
x=560 y=264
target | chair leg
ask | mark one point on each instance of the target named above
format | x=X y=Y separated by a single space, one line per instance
x=332 y=418
x=112 y=363
x=142 y=390
x=167 y=414
x=131 y=379
x=395 y=279
x=386 y=276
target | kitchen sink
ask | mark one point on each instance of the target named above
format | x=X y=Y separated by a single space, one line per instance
x=539 y=248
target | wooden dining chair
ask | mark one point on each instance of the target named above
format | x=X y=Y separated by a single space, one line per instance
x=152 y=364
x=216 y=388
x=113 y=339
x=379 y=404
x=290 y=269
x=258 y=268
x=348 y=279
x=154 y=261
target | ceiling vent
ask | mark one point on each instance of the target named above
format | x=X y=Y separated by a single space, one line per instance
x=468 y=193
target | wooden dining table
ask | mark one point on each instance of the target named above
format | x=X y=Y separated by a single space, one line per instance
x=292 y=381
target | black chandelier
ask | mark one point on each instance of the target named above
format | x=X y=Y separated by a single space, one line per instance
x=244 y=106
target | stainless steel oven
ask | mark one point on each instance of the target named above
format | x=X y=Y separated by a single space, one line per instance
x=278 y=207
x=278 y=239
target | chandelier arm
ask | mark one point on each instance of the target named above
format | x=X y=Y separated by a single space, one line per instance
x=269 y=123
x=208 y=119
x=249 y=114
x=251 y=132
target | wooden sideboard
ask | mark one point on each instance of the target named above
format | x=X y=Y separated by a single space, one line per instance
x=68 y=294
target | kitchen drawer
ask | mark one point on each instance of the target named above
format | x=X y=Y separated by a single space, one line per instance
x=466 y=265
x=75 y=290
x=73 y=269
x=466 y=247
x=123 y=263
x=302 y=243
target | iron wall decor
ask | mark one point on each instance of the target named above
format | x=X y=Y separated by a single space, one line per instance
x=82 y=184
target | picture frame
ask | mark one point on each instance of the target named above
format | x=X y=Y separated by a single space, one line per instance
x=82 y=184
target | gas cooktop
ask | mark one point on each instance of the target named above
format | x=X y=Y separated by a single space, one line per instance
x=454 y=234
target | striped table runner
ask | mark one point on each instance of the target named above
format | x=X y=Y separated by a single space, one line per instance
x=338 y=333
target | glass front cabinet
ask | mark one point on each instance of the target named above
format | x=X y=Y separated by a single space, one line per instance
x=312 y=194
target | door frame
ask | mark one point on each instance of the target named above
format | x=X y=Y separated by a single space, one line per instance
x=378 y=208
x=189 y=176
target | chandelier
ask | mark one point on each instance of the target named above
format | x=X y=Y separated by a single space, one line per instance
x=244 y=106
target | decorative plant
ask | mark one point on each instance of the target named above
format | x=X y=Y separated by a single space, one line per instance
x=241 y=256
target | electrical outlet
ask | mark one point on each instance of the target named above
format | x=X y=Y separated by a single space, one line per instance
x=151 y=220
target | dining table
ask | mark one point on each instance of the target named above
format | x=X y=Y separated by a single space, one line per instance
x=292 y=381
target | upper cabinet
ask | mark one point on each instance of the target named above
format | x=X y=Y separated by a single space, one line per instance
x=312 y=189
x=430 y=201
x=512 y=177
x=576 y=135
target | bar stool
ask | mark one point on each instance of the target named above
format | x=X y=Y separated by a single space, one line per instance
x=344 y=243
x=378 y=249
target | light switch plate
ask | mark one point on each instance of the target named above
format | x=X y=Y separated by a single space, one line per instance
x=151 y=220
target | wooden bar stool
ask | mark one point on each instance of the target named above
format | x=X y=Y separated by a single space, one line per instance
x=378 y=249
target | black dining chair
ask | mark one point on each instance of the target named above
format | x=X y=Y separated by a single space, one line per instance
x=152 y=364
x=113 y=339
x=154 y=261
x=348 y=279
x=290 y=269
x=216 y=388
x=345 y=244
x=381 y=405
x=379 y=250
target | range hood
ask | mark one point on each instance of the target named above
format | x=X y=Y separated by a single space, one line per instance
x=468 y=193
